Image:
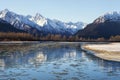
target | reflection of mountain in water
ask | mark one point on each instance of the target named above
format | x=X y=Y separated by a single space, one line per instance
x=61 y=52
x=34 y=55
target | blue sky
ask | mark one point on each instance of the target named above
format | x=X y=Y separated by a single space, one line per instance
x=64 y=10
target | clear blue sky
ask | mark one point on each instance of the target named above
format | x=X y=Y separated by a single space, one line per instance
x=64 y=10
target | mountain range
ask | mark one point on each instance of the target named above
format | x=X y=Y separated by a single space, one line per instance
x=39 y=25
x=104 y=26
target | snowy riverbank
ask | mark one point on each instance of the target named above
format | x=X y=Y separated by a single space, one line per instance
x=109 y=51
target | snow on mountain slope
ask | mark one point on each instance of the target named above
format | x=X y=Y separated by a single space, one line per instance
x=2 y=21
x=111 y=16
x=40 y=23
x=72 y=27
x=19 y=21
x=38 y=19
x=57 y=25
x=76 y=26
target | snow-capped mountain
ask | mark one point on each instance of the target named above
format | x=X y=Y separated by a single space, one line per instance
x=110 y=16
x=6 y=27
x=40 y=24
x=56 y=25
x=104 y=26
x=38 y=19
x=18 y=21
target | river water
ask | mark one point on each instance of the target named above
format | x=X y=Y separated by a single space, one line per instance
x=53 y=61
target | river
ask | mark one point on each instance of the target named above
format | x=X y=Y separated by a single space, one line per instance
x=53 y=61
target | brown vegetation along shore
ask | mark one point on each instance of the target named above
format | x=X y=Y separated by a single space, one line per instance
x=105 y=51
x=22 y=36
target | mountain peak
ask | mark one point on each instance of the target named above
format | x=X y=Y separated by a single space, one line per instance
x=38 y=16
x=4 y=12
x=112 y=13
x=110 y=16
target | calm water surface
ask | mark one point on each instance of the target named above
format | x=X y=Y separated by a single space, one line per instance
x=53 y=61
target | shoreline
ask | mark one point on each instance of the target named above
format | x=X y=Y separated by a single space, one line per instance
x=18 y=42
x=27 y=42
x=110 y=52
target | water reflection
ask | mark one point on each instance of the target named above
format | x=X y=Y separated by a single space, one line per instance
x=14 y=56
x=17 y=56
x=103 y=64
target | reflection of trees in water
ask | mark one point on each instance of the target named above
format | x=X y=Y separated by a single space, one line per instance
x=34 y=55
x=104 y=64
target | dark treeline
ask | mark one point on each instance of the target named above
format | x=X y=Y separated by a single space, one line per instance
x=12 y=36
x=77 y=39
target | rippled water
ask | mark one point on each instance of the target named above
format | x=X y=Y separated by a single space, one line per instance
x=53 y=61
